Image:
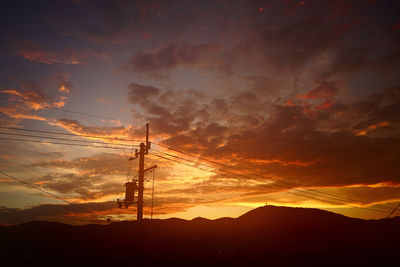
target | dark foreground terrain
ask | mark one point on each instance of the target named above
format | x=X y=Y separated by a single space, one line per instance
x=267 y=236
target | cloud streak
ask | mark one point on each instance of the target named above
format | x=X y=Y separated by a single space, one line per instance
x=30 y=98
x=36 y=52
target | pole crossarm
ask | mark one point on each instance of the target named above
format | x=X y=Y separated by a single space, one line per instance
x=150 y=168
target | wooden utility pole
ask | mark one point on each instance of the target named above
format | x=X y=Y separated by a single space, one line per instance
x=132 y=186
x=144 y=150
x=147 y=139
x=141 y=183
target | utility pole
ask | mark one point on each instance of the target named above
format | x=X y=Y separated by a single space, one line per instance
x=147 y=139
x=141 y=182
x=132 y=186
x=144 y=150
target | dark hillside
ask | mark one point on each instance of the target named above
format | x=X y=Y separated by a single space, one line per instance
x=275 y=236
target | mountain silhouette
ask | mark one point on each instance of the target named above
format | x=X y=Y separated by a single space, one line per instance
x=266 y=236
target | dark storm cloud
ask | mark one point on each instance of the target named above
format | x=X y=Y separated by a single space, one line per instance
x=311 y=53
x=283 y=39
x=377 y=108
x=169 y=110
x=87 y=178
x=308 y=32
x=292 y=46
x=99 y=164
x=338 y=157
x=307 y=147
x=278 y=36
x=173 y=56
x=309 y=137
x=268 y=41
x=383 y=105
x=140 y=92
x=347 y=60
x=103 y=22
x=81 y=186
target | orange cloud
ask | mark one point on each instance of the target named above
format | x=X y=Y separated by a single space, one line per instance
x=287 y=163
x=31 y=97
x=36 y=52
x=73 y=126
x=63 y=82
x=63 y=89
x=23 y=102
x=289 y=103
x=12 y=92
x=325 y=105
x=373 y=127
x=16 y=113
x=41 y=182
x=60 y=103
x=377 y=185
x=381 y=124
x=324 y=90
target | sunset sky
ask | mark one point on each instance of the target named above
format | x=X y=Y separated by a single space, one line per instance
x=293 y=103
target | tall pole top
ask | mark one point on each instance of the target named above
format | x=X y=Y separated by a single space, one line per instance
x=147 y=137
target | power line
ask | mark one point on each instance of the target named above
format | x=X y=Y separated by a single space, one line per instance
x=63 y=139
x=398 y=206
x=177 y=161
x=215 y=172
x=58 y=143
x=376 y=209
x=323 y=194
x=37 y=188
x=335 y=197
x=231 y=167
x=174 y=156
x=241 y=176
x=89 y=115
x=69 y=134
x=274 y=186
x=47 y=193
x=264 y=177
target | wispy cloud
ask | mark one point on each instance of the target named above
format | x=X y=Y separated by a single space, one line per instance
x=36 y=52
x=25 y=101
